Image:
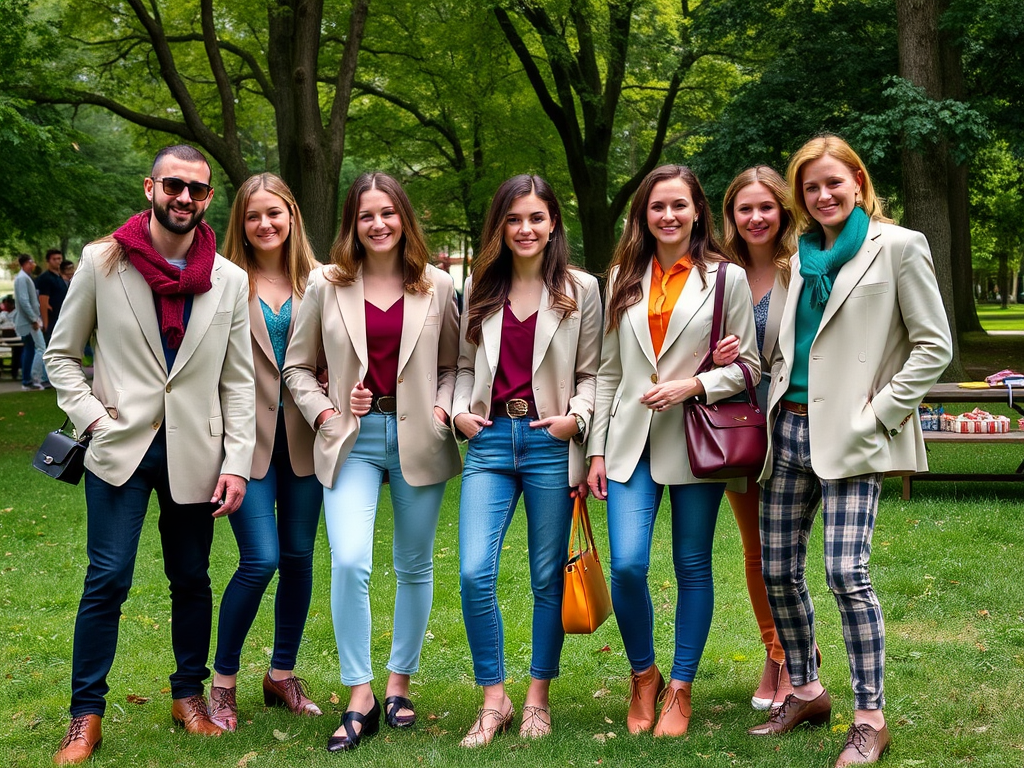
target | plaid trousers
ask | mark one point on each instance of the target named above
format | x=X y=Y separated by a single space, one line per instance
x=849 y=506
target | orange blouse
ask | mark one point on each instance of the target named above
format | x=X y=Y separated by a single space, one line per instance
x=665 y=290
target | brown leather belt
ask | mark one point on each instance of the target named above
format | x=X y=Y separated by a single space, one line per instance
x=384 y=404
x=516 y=408
x=798 y=408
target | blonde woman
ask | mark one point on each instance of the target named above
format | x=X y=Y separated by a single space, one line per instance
x=267 y=239
x=388 y=324
x=863 y=337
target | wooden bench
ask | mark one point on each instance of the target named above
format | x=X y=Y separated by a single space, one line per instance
x=952 y=393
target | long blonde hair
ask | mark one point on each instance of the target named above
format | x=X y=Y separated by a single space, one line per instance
x=785 y=241
x=833 y=146
x=297 y=253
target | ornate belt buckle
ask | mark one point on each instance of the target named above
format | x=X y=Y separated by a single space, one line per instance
x=387 y=404
x=516 y=408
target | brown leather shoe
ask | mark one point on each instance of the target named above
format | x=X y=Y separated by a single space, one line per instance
x=290 y=693
x=84 y=735
x=675 y=711
x=192 y=714
x=645 y=687
x=223 y=707
x=863 y=745
x=784 y=688
x=795 y=711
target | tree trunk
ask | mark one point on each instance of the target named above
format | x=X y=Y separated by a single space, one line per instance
x=925 y=180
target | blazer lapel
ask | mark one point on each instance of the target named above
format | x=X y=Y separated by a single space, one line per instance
x=490 y=334
x=258 y=325
x=140 y=296
x=353 y=312
x=413 y=314
x=547 y=323
x=637 y=315
x=690 y=300
x=204 y=307
x=771 y=328
x=787 y=325
x=851 y=272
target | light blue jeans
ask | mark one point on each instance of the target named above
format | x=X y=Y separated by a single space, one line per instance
x=505 y=461
x=350 y=509
x=632 y=510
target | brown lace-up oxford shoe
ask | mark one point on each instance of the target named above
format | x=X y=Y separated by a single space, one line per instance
x=864 y=745
x=83 y=737
x=192 y=714
x=794 y=712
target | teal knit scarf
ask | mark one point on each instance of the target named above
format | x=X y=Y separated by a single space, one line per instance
x=817 y=266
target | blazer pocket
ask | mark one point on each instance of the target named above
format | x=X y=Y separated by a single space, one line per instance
x=220 y=318
x=432 y=320
x=615 y=404
x=216 y=426
x=869 y=289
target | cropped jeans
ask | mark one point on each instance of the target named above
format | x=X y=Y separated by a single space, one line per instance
x=268 y=544
x=632 y=510
x=507 y=460
x=350 y=509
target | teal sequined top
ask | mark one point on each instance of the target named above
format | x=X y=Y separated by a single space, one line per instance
x=277 y=326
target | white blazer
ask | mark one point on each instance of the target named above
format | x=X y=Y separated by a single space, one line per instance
x=629 y=368
x=566 y=353
x=882 y=344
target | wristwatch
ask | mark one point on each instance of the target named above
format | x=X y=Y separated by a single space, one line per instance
x=581 y=426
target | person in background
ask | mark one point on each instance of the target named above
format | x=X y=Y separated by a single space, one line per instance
x=28 y=324
x=658 y=317
x=863 y=337
x=52 y=289
x=67 y=270
x=266 y=237
x=531 y=340
x=386 y=321
x=170 y=409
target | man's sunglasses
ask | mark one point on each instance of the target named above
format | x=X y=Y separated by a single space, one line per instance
x=174 y=186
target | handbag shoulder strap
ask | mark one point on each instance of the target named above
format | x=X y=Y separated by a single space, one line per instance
x=717 y=319
x=581 y=537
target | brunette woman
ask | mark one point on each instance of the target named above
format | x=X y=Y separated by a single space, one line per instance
x=760 y=237
x=658 y=321
x=863 y=338
x=388 y=325
x=524 y=398
x=267 y=239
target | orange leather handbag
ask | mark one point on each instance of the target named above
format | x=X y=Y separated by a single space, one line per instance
x=586 y=602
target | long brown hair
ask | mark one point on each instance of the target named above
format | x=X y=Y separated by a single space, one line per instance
x=492 y=267
x=785 y=241
x=833 y=146
x=297 y=255
x=637 y=246
x=347 y=252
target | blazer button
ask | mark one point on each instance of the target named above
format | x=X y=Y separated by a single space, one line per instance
x=402 y=417
x=168 y=390
x=272 y=407
x=400 y=379
x=654 y=378
x=156 y=425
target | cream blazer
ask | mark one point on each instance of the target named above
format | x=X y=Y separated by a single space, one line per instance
x=270 y=394
x=622 y=424
x=882 y=344
x=566 y=353
x=206 y=401
x=334 y=317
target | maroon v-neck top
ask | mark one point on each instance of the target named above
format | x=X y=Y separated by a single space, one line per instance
x=383 y=340
x=514 y=375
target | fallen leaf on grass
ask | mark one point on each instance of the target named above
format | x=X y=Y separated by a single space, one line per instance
x=334 y=698
x=983 y=612
x=281 y=735
x=608 y=720
x=606 y=649
x=165 y=690
x=600 y=737
x=600 y=693
x=980 y=647
x=132 y=698
x=246 y=758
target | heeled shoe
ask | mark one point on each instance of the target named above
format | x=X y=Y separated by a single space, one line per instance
x=370 y=723
x=768 y=685
x=794 y=712
x=291 y=693
x=645 y=687
x=676 y=710
x=223 y=707
x=536 y=722
x=489 y=722
x=395 y=704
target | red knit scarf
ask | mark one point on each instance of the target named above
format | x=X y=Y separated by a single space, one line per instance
x=169 y=283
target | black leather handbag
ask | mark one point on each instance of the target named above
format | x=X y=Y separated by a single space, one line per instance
x=62 y=455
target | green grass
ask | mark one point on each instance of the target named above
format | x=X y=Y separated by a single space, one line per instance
x=995 y=318
x=947 y=567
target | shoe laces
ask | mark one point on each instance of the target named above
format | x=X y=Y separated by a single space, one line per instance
x=776 y=715
x=76 y=730
x=857 y=737
x=222 y=697
x=296 y=686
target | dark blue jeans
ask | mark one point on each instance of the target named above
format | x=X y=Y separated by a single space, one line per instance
x=115 y=517
x=269 y=544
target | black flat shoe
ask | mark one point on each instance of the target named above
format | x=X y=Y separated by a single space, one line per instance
x=393 y=705
x=370 y=722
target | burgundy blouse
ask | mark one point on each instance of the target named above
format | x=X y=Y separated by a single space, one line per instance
x=514 y=375
x=383 y=339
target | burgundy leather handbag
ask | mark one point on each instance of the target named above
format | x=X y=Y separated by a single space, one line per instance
x=729 y=438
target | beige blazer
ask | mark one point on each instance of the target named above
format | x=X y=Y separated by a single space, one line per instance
x=334 y=317
x=771 y=329
x=622 y=424
x=270 y=394
x=206 y=401
x=882 y=343
x=566 y=354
